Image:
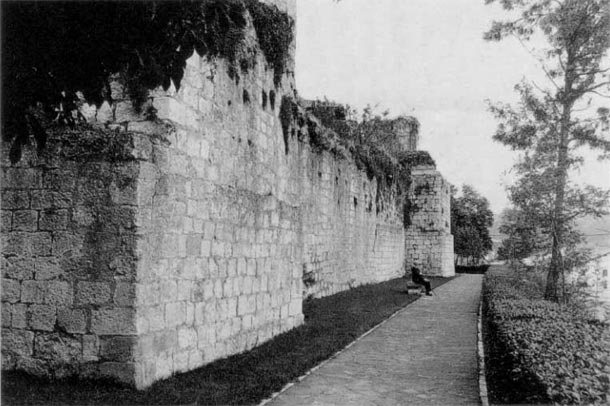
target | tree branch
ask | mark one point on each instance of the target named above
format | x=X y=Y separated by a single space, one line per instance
x=606 y=96
x=529 y=51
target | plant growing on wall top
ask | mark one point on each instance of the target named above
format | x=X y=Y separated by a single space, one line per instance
x=372 y=128
x=416 y=158
x=392 y=174
x=274 y=30
x=76 y=46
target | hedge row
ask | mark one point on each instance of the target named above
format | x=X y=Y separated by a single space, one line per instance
x=539 y=351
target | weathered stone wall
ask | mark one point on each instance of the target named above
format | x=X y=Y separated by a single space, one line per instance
x=231 y=216
x=199 y=239
x=69 y=263
x=349 y=239
x=429 y=243
x=221 y=268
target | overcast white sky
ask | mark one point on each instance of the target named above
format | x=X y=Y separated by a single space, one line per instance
x=424 y=58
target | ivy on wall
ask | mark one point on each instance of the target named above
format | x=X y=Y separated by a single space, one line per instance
x=392 y=173
x=377 y=154
x=275 y=32
x=51 y=50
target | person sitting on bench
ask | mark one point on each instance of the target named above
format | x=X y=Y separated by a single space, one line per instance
x=418 y=279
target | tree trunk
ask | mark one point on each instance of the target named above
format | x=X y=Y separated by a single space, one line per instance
x=561 y=173
x=552 y=279
x=557 y=229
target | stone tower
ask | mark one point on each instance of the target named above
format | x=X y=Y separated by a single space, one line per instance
x=407 y=131
x=428 y=238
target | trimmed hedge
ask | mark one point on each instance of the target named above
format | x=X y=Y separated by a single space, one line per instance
x=540 y=351
x=473 y=269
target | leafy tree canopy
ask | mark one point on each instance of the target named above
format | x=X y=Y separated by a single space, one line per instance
x=471 y=219
x=523 y=237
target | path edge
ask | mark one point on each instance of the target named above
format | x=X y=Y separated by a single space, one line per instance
x=481 y=357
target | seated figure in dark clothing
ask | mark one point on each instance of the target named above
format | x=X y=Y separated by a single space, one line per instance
x=417 y=278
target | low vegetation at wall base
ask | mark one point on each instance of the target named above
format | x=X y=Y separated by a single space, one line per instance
x=540 y=351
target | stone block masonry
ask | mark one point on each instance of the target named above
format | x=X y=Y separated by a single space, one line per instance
x=138 y=249
x=348 y=240
x=429 y=243
x=69 y=253
x=230 y=222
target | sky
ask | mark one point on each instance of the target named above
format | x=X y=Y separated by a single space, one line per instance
x=428 y=59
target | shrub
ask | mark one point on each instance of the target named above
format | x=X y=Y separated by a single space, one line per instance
x=540 y=351
x=474 y=269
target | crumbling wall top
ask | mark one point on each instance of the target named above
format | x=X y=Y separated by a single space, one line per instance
x=288 y=6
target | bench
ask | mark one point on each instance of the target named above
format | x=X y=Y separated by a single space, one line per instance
x=415 y=289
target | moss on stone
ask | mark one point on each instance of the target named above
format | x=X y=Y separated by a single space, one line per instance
x=86 y=143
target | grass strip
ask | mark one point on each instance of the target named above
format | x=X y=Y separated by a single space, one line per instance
x=331 y=323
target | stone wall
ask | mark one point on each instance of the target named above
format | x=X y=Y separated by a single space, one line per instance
x=429 y=243
x=69 y=263
x=191 y=247
x=137 y=249
x=348 y=237
x=221 y=267
x=232 y=214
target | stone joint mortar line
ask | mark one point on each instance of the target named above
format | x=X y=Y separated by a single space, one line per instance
x=335 y=355
x=481 y=357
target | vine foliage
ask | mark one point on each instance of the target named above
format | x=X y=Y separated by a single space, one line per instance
x=391 y=169
x=76 y=46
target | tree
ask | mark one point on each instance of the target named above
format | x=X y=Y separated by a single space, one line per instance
x=470 y=222
x=550 y=124
x=524 y=237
